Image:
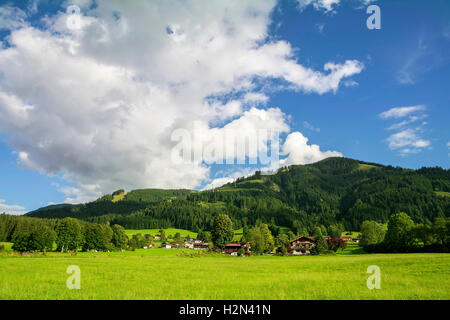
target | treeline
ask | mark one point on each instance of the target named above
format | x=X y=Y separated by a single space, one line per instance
x=402 y=235
x=68 y=234
x=331 y=192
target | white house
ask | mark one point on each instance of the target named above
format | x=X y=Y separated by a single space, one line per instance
x=166 y=245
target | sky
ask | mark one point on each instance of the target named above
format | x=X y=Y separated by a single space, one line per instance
x=101 y=95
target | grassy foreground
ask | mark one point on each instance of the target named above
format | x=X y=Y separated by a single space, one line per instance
x=165 y=274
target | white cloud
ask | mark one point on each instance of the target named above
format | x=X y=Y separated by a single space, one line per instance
x=406 y=122
x=309 y=126
x=320 y=27
x=256 y=97
x=408 y=139
x=327 y=5
x=400 y=112
x=32 y=7
x=296 y=151
x=405 y=138
x=11 y=17
x=11 y=209
x=299 y=152
x=413 y=63
x=98 y=105
x=366 y=2
x=350 y=83
x=252 y=131
x=218 y=182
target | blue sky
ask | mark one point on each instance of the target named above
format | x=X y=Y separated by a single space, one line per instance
x=406 y=64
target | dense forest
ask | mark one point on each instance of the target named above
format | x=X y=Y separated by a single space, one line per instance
x=330 y=192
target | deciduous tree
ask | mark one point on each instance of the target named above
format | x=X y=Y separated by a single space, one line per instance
x=222 y=231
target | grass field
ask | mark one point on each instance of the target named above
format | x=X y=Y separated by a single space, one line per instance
x=165 y=274
x=119 y=197
x=363 y=167
x=443 y=193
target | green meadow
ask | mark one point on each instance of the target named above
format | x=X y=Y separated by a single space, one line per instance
x=188 y=274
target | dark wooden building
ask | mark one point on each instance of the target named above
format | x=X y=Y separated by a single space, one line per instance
x=233 y=248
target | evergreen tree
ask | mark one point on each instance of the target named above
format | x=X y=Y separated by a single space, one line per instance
x=321 y=244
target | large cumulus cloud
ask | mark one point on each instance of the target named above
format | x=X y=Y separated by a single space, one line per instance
x=98 y=104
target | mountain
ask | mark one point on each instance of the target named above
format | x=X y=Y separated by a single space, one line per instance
x=331 y=191
x=54 y=206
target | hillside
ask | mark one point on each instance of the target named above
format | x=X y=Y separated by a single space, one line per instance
x=334 y=190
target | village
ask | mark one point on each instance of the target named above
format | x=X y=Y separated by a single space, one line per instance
x=300 y=246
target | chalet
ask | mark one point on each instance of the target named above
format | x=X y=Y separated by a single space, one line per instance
x=233 y=248
x=346 y=239
x=189 y=245
x=301 y=246
x=200 y=245
x=166 y=245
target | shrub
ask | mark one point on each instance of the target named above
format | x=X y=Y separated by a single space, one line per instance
x=282 y=251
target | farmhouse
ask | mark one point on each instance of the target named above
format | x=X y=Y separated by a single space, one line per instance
x=233 y=248
x=166 y=245
x=200 y=245
x=301 y=246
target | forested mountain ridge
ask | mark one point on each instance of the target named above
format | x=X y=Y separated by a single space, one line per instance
x=334 y=190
